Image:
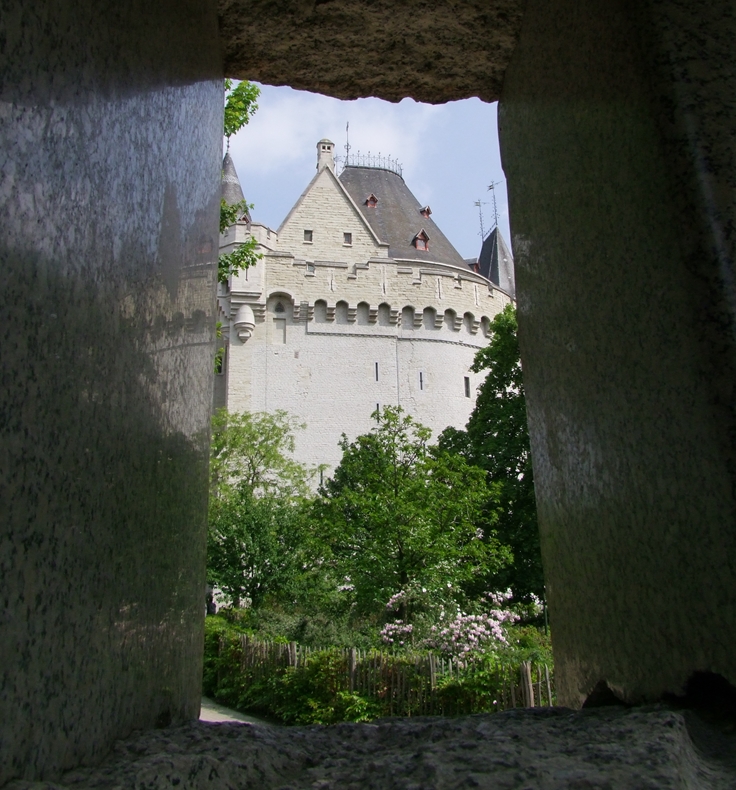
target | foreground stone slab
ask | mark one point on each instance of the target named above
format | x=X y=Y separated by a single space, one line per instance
x=543 y=749
x=433 y=52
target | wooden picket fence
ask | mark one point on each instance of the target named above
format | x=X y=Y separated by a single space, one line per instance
x=406 y=683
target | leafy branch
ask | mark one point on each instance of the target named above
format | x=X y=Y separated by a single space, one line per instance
x=240 y=106
x=232 y=263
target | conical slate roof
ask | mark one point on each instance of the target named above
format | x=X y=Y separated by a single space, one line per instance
x=496 y=262
x=231 y=189
x=397 y=217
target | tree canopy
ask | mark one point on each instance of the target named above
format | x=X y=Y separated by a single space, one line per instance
x=497 y=439
x=400 y=515
x=255 y=531
x=253 y=452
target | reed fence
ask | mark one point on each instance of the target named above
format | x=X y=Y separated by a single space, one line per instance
x=406 y=683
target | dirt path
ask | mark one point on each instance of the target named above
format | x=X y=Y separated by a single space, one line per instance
x=212 y=711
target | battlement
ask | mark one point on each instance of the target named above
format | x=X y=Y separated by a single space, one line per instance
x=374 y=296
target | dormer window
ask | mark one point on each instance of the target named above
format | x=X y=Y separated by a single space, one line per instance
x=421 y=240
x=371 y=201
x=425 y=212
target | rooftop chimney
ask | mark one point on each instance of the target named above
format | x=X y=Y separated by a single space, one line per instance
x=325 y=155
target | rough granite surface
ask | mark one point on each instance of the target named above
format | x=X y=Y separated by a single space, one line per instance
x=433 y=52
x=617 y=139
x=542 y=749
x=110 y=150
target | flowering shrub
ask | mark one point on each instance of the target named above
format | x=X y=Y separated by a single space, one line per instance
x=467 y=636
x=396 y=632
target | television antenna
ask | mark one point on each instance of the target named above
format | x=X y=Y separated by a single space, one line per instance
x=480 y=203
x=492 y=190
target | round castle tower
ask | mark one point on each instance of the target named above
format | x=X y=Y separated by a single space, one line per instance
x=358 y=302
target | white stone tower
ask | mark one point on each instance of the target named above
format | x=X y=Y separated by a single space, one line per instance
x=358 y=302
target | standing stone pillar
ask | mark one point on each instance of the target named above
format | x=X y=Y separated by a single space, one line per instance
x=110 y=133
x=618 y=138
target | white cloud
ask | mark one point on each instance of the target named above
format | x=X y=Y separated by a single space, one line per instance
x=289 y=123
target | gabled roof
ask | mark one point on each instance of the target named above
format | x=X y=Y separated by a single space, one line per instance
x=496 y=262
x=397 y=217
x=348 y=198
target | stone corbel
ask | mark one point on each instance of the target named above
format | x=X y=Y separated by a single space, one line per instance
x=456 y=321
x=393 y=316
x=418 y=319
x=303 y=311
x=330 y=313
x=244 y=322
x=372 y=315
x=352 y=314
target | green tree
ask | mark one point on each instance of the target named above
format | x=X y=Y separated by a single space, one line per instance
x=401 y=515
x=253 y=546
x=257 y=494
x=253 y=451
x=240 y=106
x=497 y=439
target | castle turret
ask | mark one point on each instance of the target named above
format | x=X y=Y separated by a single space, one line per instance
x=496 y=262
x=325 y=155
x=232 y=192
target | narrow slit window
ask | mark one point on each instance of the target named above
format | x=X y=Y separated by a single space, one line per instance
x=421 y=380
x=308 y=236
x=376 y=371
x=467 y=386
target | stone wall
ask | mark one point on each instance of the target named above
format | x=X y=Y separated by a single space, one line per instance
x=109 y=179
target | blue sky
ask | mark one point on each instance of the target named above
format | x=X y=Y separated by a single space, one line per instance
x=449 y=153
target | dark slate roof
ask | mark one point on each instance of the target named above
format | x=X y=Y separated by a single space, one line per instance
x=496 y=262
x=231 y=189
x=397 y=218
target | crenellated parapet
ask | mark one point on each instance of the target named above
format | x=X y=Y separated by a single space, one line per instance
x=380 y=295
